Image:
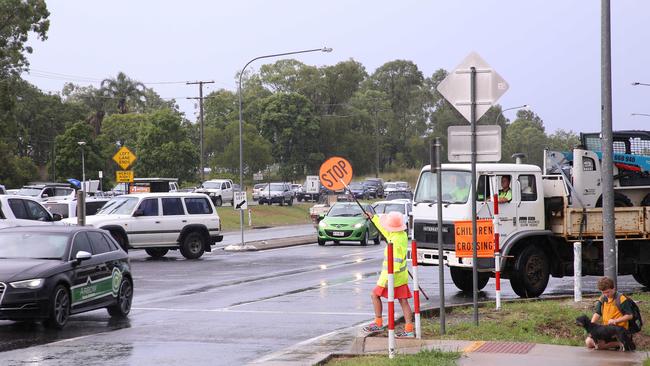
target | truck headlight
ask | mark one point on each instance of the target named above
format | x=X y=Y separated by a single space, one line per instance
x=30 y=284
x=322 y=224
x=358 y=225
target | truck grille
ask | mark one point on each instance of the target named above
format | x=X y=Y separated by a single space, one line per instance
x=426 y=235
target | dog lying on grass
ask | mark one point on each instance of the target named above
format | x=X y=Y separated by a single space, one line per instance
x=607 y=333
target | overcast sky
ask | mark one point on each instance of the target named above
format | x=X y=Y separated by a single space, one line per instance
x=548 y=51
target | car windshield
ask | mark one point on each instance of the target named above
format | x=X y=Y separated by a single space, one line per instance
x=389 y=207
x=119 y=206
x=402 y=185
x=345 y=211
x=33 y=245
x=276 y=187
x=259 y=186
x=211 y=185
x=26 y=191
x=390 y=185
x=455 y=187
x=356 y=185
x=399 y=195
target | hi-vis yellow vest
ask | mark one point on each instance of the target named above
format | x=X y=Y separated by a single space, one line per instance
x=400 y=246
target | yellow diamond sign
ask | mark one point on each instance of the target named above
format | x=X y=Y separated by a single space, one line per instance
x=124 y=157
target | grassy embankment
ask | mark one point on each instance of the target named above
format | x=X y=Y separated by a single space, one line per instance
x=264 y=216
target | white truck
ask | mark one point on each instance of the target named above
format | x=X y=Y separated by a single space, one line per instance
x=547 y=213
x=219 y=191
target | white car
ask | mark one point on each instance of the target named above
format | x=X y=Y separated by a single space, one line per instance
x=257 y=189
x=159 y=222
x=24 y=211
x=402 y=206
x=44 y=191
x=219 y=190
x=68 y=208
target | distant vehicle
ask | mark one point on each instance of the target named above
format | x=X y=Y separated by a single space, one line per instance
x=391 y=187
x=358 y=190
x=43 y=191
x=159 y=222
x=2 y=189
x=219 y=190
x=50 y=273
x=68 y=208
x=296 y=188
x=345 y=222
x=403 y=206
x=399 y=195
x=375 y=186
x=303 y=195
x=146 y=185
x=24 y=211
x=257 y=189
x=280 y=193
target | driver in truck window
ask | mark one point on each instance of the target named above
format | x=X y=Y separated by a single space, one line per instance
x=505 y=193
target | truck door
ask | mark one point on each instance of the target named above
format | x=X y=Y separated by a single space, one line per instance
x=586 y=177
x=507 y=210
x=530 y=204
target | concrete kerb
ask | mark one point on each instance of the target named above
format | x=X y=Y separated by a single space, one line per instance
x=360 y=344
x=273 y=243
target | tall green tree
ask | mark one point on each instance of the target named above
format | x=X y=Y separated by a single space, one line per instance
x=124 y=91
x=525 y=135
x=17 y=19
x=68 y=155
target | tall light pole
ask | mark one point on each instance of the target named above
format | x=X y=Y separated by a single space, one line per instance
x=640 y=114
x=241 y=143
x=525 y=106
x=81 y=198
x=636 y=83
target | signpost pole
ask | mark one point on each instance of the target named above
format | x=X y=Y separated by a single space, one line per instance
x=441 y=268
x=473 y=191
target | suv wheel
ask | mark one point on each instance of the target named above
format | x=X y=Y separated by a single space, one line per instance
x=59 y=308
x=193 y=245
x=124 y=300
x=156 y=252
x=121 y=240
x=218 y=201
x=282 y=201
x=290 y=203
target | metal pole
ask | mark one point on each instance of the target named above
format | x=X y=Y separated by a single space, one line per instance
x=391 y=302
x=416 y=291
x=376 y=145
x=441 y=262
x=241 y=143
x=577 y=271
x=609 y=234
x=473 y=192
x=497 y=251
x=201 y=125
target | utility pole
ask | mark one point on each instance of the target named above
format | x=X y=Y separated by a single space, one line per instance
x=200 y=98
x=374 y=110
x=609 y=234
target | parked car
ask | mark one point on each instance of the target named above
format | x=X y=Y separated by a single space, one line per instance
x=346 y=222
x=49 y=273
x=280 y=193
x=303 y=195
x=257 y=189
x=403 y=206
x=357 y=189
x=159 y=222
x=25 y=211
x=375 y=186
x=3 y=190
x=44 y=191
x=68 y=208
x=219 y=190
x=408 y=195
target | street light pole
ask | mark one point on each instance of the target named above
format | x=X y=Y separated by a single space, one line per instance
x=640 y=114
x=525 y=106
x=81 y=198
x=241 y=143
x=636 y=83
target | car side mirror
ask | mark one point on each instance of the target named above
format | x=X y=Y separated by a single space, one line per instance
x=45 y=195
x=138 y=212
x=82 y=256
x=56 y=217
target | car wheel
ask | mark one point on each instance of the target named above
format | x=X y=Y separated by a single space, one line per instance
x=193 y=245
x=269 y=203
x=364 y=241
x=377 y=240
x=121 y=240
x=290 y=201
x=282 y=201
x=59 y=308
x=124 y=300
x=336 y=242
x=321 y=242
x=156 y=252
x=218 y=201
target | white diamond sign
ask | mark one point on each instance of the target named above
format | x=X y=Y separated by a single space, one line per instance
x=456 y=87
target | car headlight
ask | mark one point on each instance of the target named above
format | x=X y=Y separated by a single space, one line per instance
x=30 y=284
x=213 y=194
x=358 y=225
x=322 y=224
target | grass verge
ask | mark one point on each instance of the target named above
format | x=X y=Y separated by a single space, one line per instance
x=537 y=321
x=263 y=216
x=424 y=357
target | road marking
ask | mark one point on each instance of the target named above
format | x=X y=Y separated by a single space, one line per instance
x=473 y=346
x=227 y=310
x=361 y=253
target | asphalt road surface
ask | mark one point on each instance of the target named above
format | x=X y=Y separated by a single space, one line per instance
x=230 y=308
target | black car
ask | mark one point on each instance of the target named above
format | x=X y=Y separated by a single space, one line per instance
x=358 y=189
x=50 y=273
x=398 y=195
x=375 y=186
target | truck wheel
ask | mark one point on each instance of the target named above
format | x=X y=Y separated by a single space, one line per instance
x=620 y=200
x=218 y=201
x=463 y=279
x=124 y=300
x=156 y=252
x=530 y=272
x=121 y=240
x=642 y=274
x=193 y=245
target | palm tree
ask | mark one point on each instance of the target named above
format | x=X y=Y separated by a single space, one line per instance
x=124 y=90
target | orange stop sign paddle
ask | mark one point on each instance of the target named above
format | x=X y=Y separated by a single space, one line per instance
x=335 y=173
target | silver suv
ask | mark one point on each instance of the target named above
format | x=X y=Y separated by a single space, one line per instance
x=280 y=193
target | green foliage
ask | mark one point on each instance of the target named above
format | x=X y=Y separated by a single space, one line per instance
x=68 y=152
x=17 y=19
x=525 y=136
x=123 y=91
x=562 y=140
x=257 y=151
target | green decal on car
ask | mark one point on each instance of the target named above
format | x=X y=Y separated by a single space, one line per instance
x=91 y=290
x=117 y=281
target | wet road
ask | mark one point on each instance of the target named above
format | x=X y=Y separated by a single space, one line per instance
x=228 y=308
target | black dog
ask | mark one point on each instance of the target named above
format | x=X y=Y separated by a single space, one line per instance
x=606 y=333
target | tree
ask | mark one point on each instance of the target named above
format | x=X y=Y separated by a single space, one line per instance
x=562 y=140
x=525 y=136
x=17 y=19
x=257 y=151
x=288 y=123
x=68 y=161
x=124 y=90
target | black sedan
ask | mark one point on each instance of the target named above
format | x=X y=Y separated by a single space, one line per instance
x=50 y=273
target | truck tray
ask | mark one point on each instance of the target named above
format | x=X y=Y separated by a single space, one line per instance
x=630 y=223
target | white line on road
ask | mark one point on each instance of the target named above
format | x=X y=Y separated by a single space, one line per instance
x=226 y=310
x=360 y=253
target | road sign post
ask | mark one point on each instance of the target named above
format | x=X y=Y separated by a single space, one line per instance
x=472 y=88
x=240 y=201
